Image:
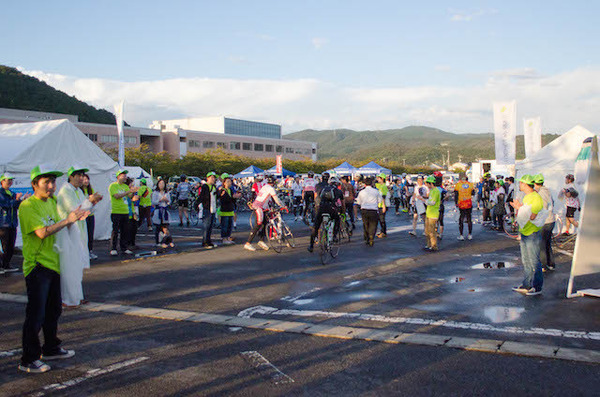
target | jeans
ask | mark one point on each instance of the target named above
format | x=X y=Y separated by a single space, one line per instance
x=209 y=221
x=44 y=307
x=546 y=255
x=8 y=235
x=119 y=231
x=226 y=226
x=530 y=256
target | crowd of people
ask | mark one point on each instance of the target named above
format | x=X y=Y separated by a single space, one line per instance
x=57 y=229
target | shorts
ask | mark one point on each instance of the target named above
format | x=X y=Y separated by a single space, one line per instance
x=571 y=212
x=184 y=203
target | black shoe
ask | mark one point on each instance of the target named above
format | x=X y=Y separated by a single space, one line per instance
x=209 y=246
x=310 y=248
x=180 y=224
x=59 y=354
x=188 y=223
x=36 y=367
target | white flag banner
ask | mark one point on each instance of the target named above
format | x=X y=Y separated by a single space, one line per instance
x=532 y=131
x=119 y=116
x=505 y=131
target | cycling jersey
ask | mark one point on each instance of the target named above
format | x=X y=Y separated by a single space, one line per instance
x=263 y=199
x=464 y=191
x=310 y=185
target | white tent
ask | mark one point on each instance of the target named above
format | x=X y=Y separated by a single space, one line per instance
x=138 y=173
x=556 y=160
x=57 y=142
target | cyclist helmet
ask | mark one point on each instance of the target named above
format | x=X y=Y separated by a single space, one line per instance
x=270 y=179
x=437 y=174
x=570 y=177
x=182 y=178
x=333 y=180
x=259 y=177
x=325 y=176
x=404 y=175
x=311 y=174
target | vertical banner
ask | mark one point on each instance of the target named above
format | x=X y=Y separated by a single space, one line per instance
x=119 y=116
x=532 y=131
x=505 y=131
x=278 y=165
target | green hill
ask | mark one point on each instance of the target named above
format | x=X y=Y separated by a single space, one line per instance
x=19 y=91
x=417 y=145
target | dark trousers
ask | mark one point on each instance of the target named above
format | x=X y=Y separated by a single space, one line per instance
x=91 y=225
x=297 y=203
x=226 y=226
x=145 y=216
x=132 y=228
x=465 y=213
x=333 y=214
x=370 y=219
x=546 y=254
x=350 y=211
x=8 y=236
x=382 y=221
x=119 y=230
x=397 y=203
x=44 y=306
x=209 y=221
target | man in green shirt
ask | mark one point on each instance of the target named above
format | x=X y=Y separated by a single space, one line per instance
x=39 y=220
x=432 y=213
x=145 y=194
x=383 y=189
x=119 y=212
x=531 y=238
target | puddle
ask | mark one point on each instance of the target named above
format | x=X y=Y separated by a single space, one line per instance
x=303 y=301
x=145 y=254
x=334 y=299
x=494 y=265
x=352 y=284
x=503 y=314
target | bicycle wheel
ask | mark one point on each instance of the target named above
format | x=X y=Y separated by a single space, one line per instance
x=275 y=238
x=510 y=227
x=334 y=245
x=287 y=235
x=324 y=245
x=194 y=217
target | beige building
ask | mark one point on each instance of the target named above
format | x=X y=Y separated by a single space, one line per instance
x=234 y=136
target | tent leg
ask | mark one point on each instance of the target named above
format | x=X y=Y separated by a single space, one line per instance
x=570 y=293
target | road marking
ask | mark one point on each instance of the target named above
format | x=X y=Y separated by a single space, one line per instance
x=419 y=321
x=92 y=373
x=367 y=334
x=10 y=353
x=263 y=366
x=296 y=297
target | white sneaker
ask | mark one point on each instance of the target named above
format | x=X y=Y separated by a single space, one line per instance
x=262 y=245
x=249 y=247
x=159 y=245
x=461 y=238
x=93 y=256
x=114 y=253
x=129 y=252
x=470 y=237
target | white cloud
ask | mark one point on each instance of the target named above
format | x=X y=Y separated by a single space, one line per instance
x=319 y=42
x=562 y=100
x=468 y=16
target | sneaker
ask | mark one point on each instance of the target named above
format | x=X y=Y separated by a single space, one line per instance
x=36 y=367
x=129 y=252
x=159 y=245
x=114 y=253
x=208 y=246
x=522 y=289
x=412 y=234
x=310 y=248
x=461 y=238
x=262 y=245
x=249 y=247
x=533 y=292
x=60 y=354
x=10 y=269
x=93 y=256
x=2 y=271
x=150 y=228
x=470 y=237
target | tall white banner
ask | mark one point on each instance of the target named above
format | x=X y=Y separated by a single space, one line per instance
x=532 y=131
x=119 y=116
x=505 y=131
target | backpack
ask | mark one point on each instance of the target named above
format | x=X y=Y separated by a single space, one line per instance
x=327 y=194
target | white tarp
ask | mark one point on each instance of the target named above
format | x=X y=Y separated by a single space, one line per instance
x=57 y=142
x=555 y=161
x=505 y=131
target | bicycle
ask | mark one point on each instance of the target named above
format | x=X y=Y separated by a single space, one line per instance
x=345 y=228
x=329 y=247
x=309 y=215
x=278 y=232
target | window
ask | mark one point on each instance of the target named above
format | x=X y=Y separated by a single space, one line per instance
x=109 y=138
x=268 y=148
x=222 y=145
x=289 y=150
x=194 y=143
x=298 y=151
x=259 y=147
x=181 y=139
x=279 y=149
x=246 y=146
x=234 y=146
x=208 y=144
x=131 y=139
x=93 y=137
x=314 y=151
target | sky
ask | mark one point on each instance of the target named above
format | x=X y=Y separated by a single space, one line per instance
x=317 y=64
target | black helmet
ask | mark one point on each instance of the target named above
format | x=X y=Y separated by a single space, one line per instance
x=270 y=179
x=182 y=178
x=311 y=174
x=325 y=176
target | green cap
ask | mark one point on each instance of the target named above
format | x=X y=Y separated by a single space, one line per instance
x=119 y=172
x=528 y=179
x=224 y=175
x=211 y=174
x=44 y=169
x=487 y=175
x=539 y=179
x=382 y=175
x=430 y=179
x=6 y=177
x=76 y=168
x=143 y=180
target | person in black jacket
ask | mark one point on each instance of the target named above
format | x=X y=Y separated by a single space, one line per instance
x=9 y=204
x=208 y=198
x=227 y=200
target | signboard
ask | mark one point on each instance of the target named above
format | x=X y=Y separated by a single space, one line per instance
x=278 y=165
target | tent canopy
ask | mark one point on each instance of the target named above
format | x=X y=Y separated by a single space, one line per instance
x=136 y=172
x=343 y=169
x=373 y=168
x=60 y=143
x=284 y=172
x=249 y=172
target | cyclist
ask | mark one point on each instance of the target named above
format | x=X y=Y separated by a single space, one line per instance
x=257 y=185
x=183 y=192
x=297 y=194
x=308 y=191
x=261 y=204
x=463 y=191
x=329 y=200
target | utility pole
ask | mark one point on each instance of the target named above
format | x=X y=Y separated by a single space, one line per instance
x=404 y=162
x=448 y=160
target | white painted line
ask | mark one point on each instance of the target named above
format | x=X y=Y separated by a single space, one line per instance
x=294 y=298
x=420 y=321
x=10 y=353
x=92 y=373
x=263 y=365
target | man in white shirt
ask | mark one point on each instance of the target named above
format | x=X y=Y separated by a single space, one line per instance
x=369 y=199
x=420 y=191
